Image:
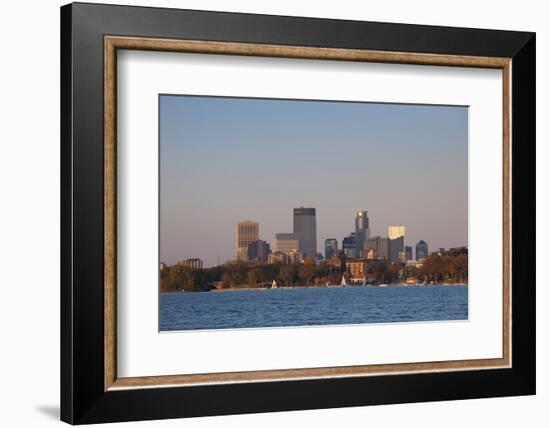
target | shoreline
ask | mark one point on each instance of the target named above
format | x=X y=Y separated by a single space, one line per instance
x=318 y=286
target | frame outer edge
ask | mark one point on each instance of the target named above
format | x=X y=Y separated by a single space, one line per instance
x=66 y=305
x=524 y=215
x=82 y=394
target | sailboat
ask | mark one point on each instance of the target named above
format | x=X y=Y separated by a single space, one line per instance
x=343 y=283
x=274 y=284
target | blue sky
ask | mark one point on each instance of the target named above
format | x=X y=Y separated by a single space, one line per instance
x=224 y=160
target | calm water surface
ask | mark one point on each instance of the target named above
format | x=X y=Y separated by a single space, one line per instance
x=311 y=306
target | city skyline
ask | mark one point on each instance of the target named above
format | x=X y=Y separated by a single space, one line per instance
x=225 y=160
x=393 y=233
x=298 y=241
x=292 y=242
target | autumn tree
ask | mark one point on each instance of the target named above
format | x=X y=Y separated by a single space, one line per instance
x=252 y=277
x=306 y=272
x=287 y=274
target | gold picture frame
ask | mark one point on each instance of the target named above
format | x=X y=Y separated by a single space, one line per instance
x=114 y=43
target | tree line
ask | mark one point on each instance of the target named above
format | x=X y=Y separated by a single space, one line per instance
x=238 y=274
x=442 y=269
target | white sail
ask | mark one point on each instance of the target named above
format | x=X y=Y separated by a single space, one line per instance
x=274 y=284
x=343 y=281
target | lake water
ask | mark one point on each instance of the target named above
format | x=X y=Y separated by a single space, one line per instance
x=311 y=306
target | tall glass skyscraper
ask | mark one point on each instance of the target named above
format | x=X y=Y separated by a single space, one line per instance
x=306 y=225
x=331 y=248
x=379 y=247
x=396 y=238
x=349 y=246
x=362 y=231
x=421 y=250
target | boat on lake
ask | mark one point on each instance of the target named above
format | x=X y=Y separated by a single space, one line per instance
x=274 y=284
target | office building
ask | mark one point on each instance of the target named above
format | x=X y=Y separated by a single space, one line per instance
x=414 y=263
x=258 y=251
x=371 y=247
x=335 y=262
x=246 y=232
x=396 y=242
x=331 y=248
x=383 y=249
x=440 y=252
x=396 y=249
x=421 y=250
x=349 y=246
x=287 y=242
x=192 y=263
x=395 y=232
x=357 y=268
x=362 y=231
x=451 y=252
x=457 y=251
x=295 y=257
x=277 y=257
x=376 y=248
x=304 y=223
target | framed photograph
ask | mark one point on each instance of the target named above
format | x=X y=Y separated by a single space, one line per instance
x=266 y=213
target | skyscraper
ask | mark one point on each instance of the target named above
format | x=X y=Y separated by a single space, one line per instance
x=258 y=251
x=395 y=232
x=379 y=247
x=396 y=241
x=362 y=231
x=349 y=246
x=383 y=248
x=305 y=224
x=421 y=250
x=287 y=242
x=331 y=248
x=408 y=253
x=246 y=232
